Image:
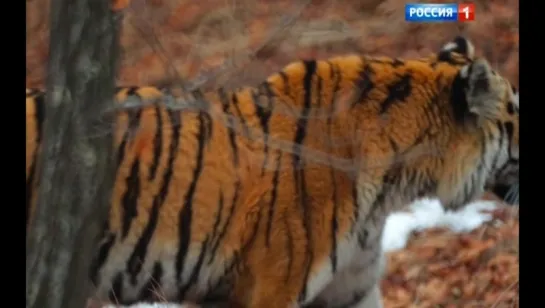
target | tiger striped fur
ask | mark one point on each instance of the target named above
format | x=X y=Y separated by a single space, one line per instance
x=276 y=195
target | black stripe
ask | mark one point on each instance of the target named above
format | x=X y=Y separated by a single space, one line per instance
x=234 y=99
x=461 y=46
x=157 y=144
x=130 y=198
x=272 y=204
x=481 y=85
x=289 y=247
x=336 y=85
x=247 y=245
x=428 y=186
x=217 y=221
x=397 y=92
x=138 y=256
x=150 y=290
x=389 y=183
x=264 y=115
x=134 y=122
x=185 y=218
x=286 y=82
x=207 y=127
x=334 y=74
x=233 y=264
x=443 y=56
x=457 y=100
x=201 y=101
x=250 y=242
x=510 y=130
x=319 y=90
x=100 y=258
x=230 y=125
x=123 y=143
x=510 y=108
x=298 y=165
x=133 y=90
x=362 y=239
x=334 y=223
x=365 y=84
x=227 y=223
x=218 y=291
x=398 y=62
x=205 y=114
x=355 y=210
x=194 y=277
x=501 y=190
x=121 y=150
x=505 y=166
x=115 y=295
x=393 y=144
x=500 y=146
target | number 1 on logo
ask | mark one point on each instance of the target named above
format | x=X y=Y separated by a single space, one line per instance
x=466 y=12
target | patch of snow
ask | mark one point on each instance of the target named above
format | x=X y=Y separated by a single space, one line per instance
x=429 y=213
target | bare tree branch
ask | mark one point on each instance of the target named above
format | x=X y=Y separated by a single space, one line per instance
x=75 y=169
x=273 y=40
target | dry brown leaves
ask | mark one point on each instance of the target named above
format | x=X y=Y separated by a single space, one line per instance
x=442 y=269
x=162 y=38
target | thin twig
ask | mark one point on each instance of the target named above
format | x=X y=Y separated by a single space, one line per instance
x=272 y=40
x=512 y=285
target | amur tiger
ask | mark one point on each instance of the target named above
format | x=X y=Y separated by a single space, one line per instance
x=276 y=195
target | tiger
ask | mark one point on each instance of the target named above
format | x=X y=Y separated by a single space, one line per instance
x=276 y=195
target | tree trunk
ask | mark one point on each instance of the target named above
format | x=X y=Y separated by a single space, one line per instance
x=76 y=160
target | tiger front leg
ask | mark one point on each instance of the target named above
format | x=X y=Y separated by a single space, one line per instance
x=268 y=292
x=274 y=263
x=372 y=300
x=358 y=285
x=273 y=271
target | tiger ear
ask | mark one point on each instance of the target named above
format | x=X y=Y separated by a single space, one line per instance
x=484 y=90
x=459 y=45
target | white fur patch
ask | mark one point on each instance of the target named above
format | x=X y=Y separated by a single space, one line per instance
x=516 y=99
x=453 y=46
x=464 y=72
x=470 y=50
x=450 y=46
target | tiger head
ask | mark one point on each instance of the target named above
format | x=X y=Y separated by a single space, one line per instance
x=489 y=104
x=504 y=177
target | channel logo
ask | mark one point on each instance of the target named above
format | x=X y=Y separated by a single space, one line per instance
x=439 y=12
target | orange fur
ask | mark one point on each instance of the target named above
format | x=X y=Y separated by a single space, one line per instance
x=265 y=196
